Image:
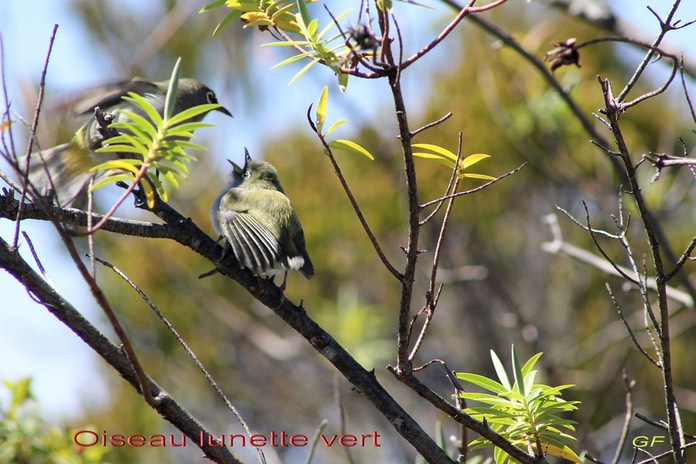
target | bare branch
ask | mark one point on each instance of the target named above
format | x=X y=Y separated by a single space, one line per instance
x=186 y=348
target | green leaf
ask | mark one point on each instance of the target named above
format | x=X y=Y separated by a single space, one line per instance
x=500 y=371
x=342 y=81
x=226 y=20
x=292 y=59
x=111 y=180
x=211 y=5
x=312 y=30
x=304 y=13
x=146 y=106
x=477 y=176
x=483 y=382
x=443 y=152
x=321 y=108
x=347 y=145
x=20 y=391
x=384 y=5
x=304 y=70
x=118 y=149
x=335 y=126
x=172 y=90
x=472 y=159
x=138 y=125
x=192 y=113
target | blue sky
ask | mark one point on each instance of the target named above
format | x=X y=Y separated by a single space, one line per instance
x=33 y=342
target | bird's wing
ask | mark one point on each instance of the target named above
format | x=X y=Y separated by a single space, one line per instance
x=110 y=95
x=254 y=245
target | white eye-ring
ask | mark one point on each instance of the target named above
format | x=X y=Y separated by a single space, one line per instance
x=246 y=174
x=210 y=97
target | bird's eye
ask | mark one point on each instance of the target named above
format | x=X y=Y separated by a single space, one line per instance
x=246 y=174
x=210 y=97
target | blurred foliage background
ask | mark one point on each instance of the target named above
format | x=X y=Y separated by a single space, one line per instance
x=501 y=288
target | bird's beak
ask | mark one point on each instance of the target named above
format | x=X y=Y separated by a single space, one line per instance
x=236 y=168
x=247 y=158
x=224 y=110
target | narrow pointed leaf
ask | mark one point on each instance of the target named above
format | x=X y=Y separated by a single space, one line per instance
x=304 y=70
x=472 y=159
x=211 y=5
x=172 y=90
x=517 y=372
x=477 y=176
x=500 y=371
x=445 y=153
x=192 y=112
x=335 y=126
x=321 y=109
x=225 y=21
x=349 y=146
x=110 y=180
x=304 y=14
x=482 y=381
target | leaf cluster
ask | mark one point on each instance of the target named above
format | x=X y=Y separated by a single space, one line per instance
x=27 y=437
x=150 y=145
x=524 y=412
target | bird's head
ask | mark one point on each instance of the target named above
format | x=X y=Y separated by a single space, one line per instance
x=255 y=175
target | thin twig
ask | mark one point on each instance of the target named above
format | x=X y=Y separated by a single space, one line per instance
x=38 y=262
x=628 y=327
x=34 y=126
x=431 y=124
x=448 y=189
x=665 y=27
x=354 y=203
x=629 y=384
x=558 y=246
x=430 y=295
x=189 y=351
x=315 y=440
x=621 y=105
x=10 y=151
x=686 y=91
x=473 y=190
x=338 y=398
x=469 y=8
x=653 y=237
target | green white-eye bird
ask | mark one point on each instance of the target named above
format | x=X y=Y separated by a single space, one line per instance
x=259 y=222
x=64 y=169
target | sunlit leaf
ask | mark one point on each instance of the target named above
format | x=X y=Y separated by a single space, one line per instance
x=565 y=452
x=321 y=109
x=335 y=126
x=211 y=5
x=304 y=13
x=500 y=371
x=192 y=112
x=476 y=176
x=482 y=381
x=517 y=372
x=443 y=152
x=349 y=146
x=172 y=91
x=472 y=159
x=111 y=180
x=225 y=21
x=342 y=81
x=304 y=70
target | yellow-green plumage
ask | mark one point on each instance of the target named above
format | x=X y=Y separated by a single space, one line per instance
x=260 y=225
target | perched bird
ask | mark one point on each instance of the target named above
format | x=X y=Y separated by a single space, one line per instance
x=63 y=169
x=259 y=223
